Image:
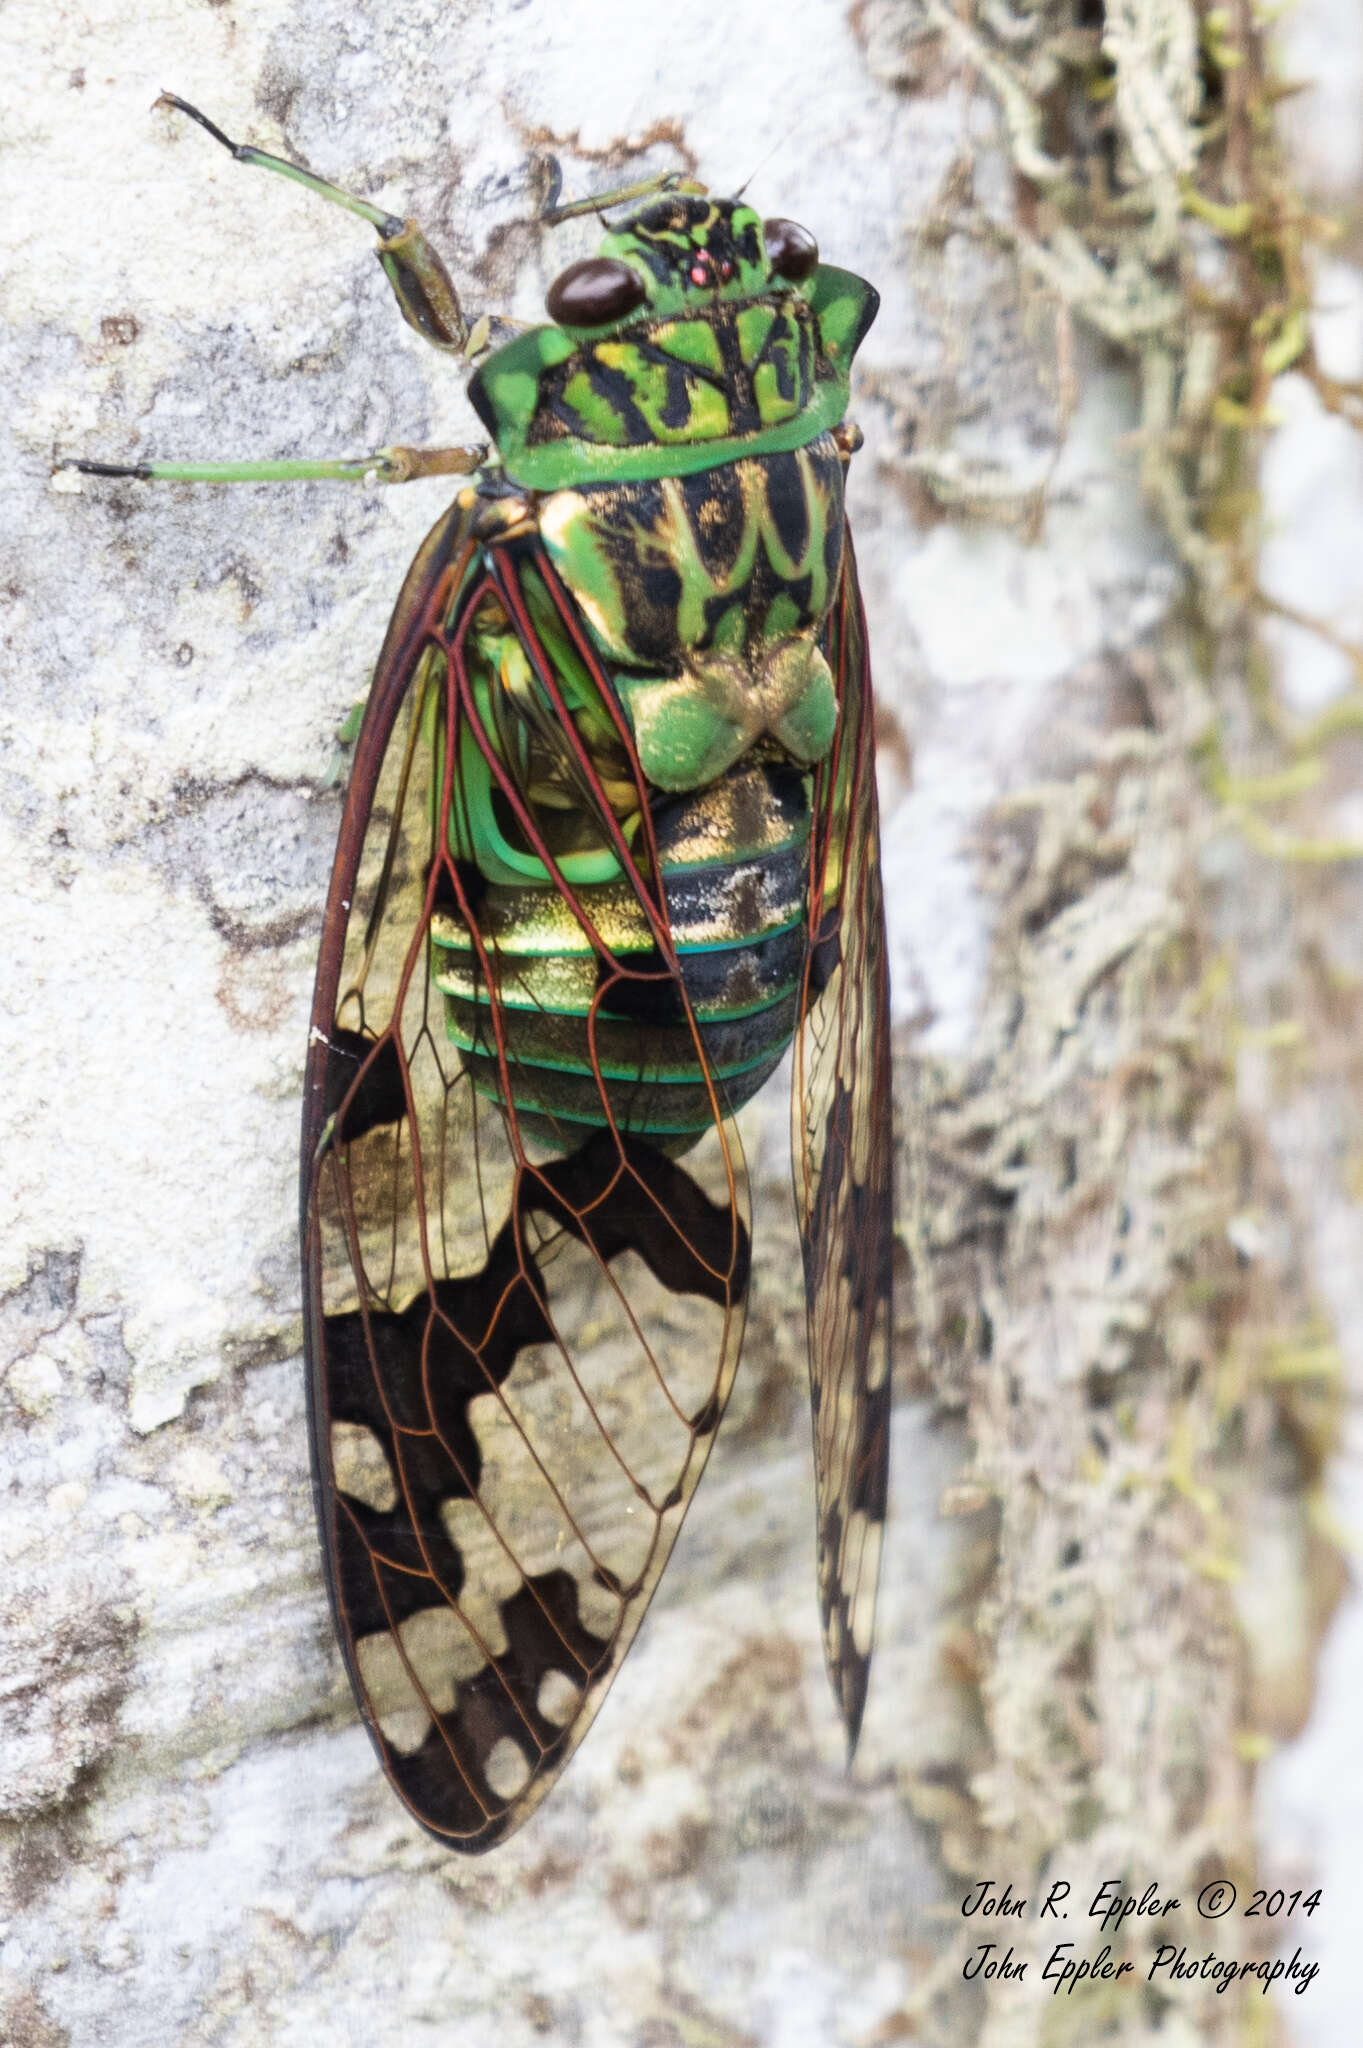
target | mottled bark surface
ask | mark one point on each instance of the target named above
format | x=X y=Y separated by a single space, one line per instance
x=1128 y=1081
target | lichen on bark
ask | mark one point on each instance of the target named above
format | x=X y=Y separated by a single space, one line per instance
x=1113 y=1282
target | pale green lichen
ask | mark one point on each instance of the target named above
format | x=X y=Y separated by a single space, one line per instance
x=1109 y=1277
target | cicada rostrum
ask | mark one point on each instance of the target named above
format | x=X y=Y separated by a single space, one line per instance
x=609 y=848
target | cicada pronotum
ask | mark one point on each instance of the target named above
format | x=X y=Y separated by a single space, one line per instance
x=609 y=847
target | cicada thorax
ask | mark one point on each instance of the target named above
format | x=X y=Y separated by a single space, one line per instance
x=705 y=598
x=708 y=595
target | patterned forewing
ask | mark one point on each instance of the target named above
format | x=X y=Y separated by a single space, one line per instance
x=842 y=1129
x=520 y=1345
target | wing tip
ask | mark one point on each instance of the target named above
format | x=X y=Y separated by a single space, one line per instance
x=851 y=1680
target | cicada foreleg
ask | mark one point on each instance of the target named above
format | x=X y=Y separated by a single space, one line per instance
x=421 y=284
x=554 y=214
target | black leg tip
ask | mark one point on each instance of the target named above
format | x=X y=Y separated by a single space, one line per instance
x=172 y=99
x=135 y=469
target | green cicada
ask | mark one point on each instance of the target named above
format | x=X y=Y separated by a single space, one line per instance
x=610 y=846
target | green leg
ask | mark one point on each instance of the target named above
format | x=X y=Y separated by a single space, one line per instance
x=421 y=284
x=384 y=466
x=596 y=202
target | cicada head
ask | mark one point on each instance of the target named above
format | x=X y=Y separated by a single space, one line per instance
x=698 y=334
x=677 y=255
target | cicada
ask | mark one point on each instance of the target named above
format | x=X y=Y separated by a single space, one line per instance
x=609 y=849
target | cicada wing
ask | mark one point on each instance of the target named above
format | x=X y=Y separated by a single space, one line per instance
x=524 y=1313
x=843 y=1151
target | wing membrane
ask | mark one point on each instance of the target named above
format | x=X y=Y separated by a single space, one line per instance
x=523 y=1320
x=842 y=1142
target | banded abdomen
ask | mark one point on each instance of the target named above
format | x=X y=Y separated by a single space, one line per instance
x=734 y=858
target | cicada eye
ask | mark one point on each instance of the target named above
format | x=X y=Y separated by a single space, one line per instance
x=791 y=250
x=590 y=293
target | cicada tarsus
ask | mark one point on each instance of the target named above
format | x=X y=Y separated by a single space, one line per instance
x=609 y=847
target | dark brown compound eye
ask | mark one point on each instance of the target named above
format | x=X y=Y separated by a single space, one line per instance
x=590 y=293
x=791 y=250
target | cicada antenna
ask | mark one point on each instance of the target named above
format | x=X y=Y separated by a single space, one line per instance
x=761 y=165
